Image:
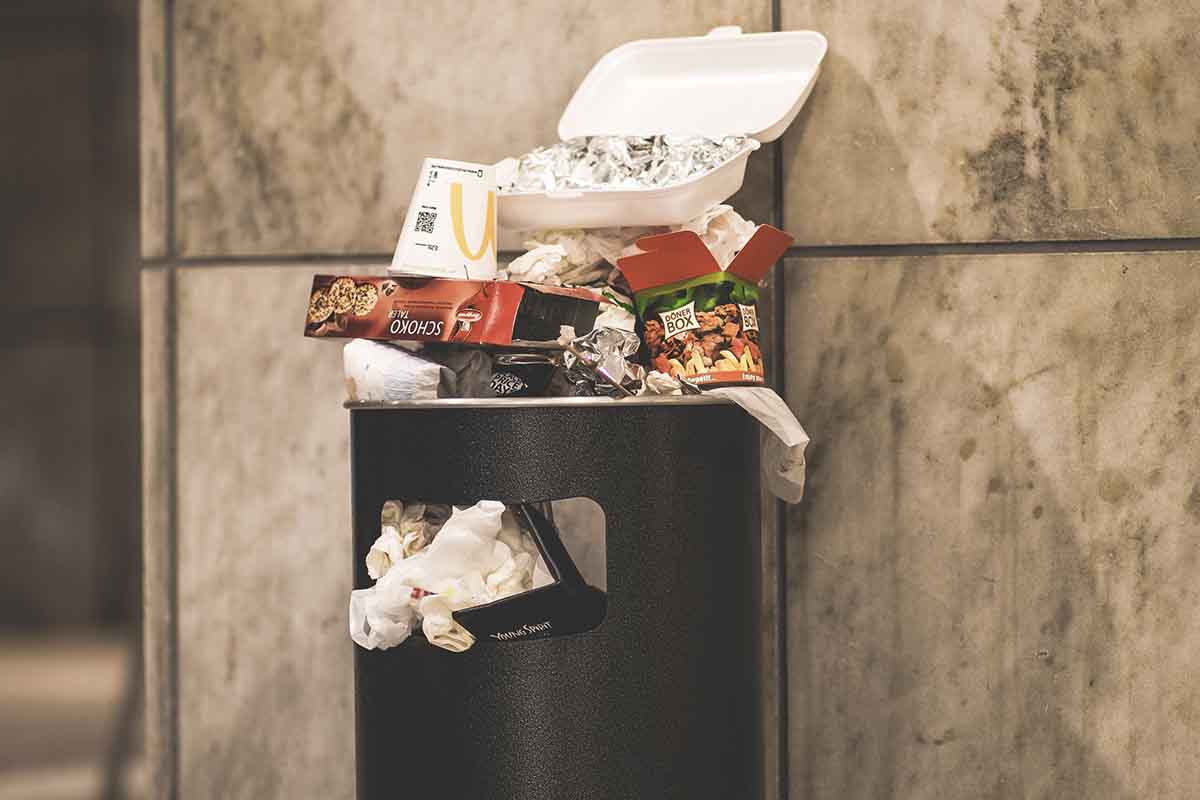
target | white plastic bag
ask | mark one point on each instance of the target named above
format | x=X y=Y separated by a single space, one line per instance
x=378 y=373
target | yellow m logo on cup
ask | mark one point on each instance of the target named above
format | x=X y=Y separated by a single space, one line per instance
x=460 y=234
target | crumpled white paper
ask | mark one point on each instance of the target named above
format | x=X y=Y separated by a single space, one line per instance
x=783 y=438
x=614 y=316
x=387 y=550
x=542 y=263
x=440 y=628
x=381 y=617
x=418 y=524
x=662 y=383
x=465 y=544
x=479 y=555
x=723 y=230
x=783 y=465
x=581 y=257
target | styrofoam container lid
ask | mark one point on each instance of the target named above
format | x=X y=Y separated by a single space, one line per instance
x=724 y=84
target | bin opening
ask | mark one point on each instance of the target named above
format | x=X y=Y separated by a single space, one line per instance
x=497 y=571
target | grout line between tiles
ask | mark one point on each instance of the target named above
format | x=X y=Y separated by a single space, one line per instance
x=168 y=101
x=172 y=557
x=174 y=756
x=291 y=259
x=804 y=252
x=779 y=324
x=996 y=248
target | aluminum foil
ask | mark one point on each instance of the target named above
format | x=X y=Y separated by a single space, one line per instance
x=622 y=162
x=597 y=363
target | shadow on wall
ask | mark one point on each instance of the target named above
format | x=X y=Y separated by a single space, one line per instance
x=949 y=633
x=871 y=180
x=946 y=635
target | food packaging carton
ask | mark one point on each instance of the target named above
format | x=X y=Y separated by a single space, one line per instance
x=398 y=308
x=698 y=321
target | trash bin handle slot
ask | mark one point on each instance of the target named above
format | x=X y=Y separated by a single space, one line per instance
x=558 y=561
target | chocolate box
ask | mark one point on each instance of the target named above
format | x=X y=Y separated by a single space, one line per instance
x=425 y=309
x=696 y=320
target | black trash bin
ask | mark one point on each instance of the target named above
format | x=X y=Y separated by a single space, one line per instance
x=662 y=699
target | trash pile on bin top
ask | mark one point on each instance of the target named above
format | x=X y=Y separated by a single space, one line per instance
x=636 y=279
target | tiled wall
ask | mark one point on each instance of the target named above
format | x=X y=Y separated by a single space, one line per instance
x=988 y=332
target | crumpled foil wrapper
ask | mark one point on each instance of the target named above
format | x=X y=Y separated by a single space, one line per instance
x=622 y=162
x=605 y=354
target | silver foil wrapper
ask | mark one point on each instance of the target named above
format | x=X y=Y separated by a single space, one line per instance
x=622 y=162
x=597 y=364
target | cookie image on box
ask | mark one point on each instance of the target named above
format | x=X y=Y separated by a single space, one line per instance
x=319 y=307
x=365 y=297
x=342 y=294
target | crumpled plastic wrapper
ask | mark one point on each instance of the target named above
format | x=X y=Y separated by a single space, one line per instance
x=783 y=439
x=597 y=363
x=469 y=368
x=479 y=555
x=581 y=257
x=377 y=372
x=618 y=162
x=413 y=371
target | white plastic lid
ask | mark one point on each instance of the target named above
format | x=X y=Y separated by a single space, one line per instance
x=723 y=84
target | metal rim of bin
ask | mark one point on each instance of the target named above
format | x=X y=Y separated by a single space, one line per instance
x=539 y=402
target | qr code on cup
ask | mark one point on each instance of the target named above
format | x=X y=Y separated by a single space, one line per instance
x=425 y=220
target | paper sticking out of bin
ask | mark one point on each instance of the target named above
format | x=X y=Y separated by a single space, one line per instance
x=700 y=322
x=421 y=309
x=721 y=85
x=450 y=227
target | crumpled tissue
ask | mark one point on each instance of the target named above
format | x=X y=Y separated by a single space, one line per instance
x=387 y=550
x=439 y=626
x=380 y=619
x=419 y=523
x=783 y=464
x=407 y=528
x=783 y=438
x=580 y=257
x=479 y=555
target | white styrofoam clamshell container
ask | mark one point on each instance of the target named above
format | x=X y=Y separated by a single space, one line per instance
x=724 y=84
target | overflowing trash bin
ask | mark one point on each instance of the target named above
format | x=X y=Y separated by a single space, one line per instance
x=661 y=696
x=557 y=458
